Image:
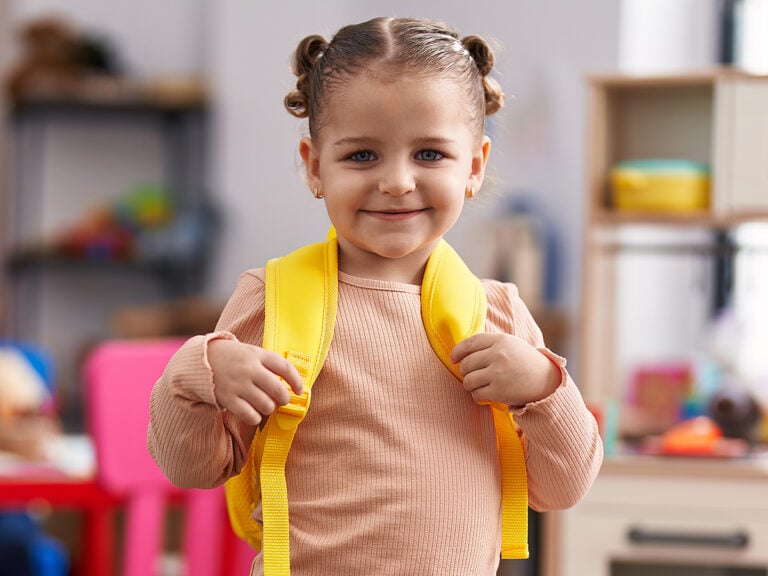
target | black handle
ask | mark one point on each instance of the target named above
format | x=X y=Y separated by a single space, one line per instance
x=736 y=540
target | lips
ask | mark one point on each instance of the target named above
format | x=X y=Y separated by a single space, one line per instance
x=397 y=214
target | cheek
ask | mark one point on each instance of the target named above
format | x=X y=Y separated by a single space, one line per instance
x=452 y=200
x=339 y=208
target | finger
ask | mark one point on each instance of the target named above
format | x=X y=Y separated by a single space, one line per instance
x=260 y=400
x=475 y=361
x=242 y=410
x=268 y=383
x=482 y=395
x=287 y=371
x=476 y=380
x=471 y=345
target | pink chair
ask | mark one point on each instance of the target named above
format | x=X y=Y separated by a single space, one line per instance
x=119 y=376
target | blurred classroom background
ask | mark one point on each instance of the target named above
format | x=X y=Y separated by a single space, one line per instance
x=146 y=161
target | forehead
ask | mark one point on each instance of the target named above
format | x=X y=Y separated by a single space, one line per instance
x=414 y=103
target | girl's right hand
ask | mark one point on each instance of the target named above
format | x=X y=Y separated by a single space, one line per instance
x=250 y=382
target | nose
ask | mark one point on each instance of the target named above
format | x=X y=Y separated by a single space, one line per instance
x=397 y=179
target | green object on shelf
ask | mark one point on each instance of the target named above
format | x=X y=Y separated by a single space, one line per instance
x=145 y=206
x=610 y=427
x=666 y=165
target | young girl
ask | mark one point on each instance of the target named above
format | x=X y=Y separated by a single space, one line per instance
x=395 y=468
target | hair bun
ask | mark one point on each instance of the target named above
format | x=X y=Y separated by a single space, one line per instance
x=307 y=53
x=304 y=60
x=480 y=52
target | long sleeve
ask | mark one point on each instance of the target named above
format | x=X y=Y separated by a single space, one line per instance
x=195 y=443
x=563 y=448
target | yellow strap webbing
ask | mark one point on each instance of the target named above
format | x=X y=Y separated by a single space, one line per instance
x=298 y=287
x=300 y=284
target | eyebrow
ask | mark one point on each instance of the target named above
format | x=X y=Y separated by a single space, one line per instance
x=350 y=141
x=427 y=140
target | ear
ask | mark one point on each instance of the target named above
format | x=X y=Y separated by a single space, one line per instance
x=311 y=163
x=479 y=161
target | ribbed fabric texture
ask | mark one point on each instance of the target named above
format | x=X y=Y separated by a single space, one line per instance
x=395 y=469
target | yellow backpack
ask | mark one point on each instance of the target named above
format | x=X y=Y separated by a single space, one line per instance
x=300 y=314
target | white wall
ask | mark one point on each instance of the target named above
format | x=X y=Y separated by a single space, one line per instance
x=668 y=36
x=5 y=43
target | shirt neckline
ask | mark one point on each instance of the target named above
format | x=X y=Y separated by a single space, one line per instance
x=375 y=284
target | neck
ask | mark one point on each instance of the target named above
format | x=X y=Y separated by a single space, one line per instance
x=407 y=270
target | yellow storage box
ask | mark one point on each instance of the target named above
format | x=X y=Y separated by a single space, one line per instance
x=660 y=186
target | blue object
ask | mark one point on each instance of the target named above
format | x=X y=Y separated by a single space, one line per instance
x=521 y=203
x=39 y=358
x=25 y=550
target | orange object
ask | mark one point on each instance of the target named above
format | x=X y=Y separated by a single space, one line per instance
x=698 y=436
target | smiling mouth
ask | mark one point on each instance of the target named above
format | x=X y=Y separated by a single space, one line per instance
x=394 y=214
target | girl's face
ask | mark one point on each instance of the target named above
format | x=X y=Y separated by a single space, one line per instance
x=393 y=160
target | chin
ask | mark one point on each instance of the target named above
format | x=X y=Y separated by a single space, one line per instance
x=397 y=251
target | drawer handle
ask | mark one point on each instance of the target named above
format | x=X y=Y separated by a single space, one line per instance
x=735 y=540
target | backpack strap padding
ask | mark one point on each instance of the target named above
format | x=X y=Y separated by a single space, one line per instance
x=453 y=307
x=452 y=303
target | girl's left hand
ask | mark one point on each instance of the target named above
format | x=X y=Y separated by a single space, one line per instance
x=503 y=368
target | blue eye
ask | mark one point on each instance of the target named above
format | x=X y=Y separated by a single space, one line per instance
x=429 y=155
x=362 y=156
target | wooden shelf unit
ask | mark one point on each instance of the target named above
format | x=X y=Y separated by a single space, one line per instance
x=720 y=118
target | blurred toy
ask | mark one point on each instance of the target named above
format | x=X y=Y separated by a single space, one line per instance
x=695 y=436
x=58 y=61
x=657 y=396
x=109 y=232
x=47 y=64
x=22 y=389
x=734 y=402
x=26 y=422
x=736 y=412
x=699 y=436
x=26 y=550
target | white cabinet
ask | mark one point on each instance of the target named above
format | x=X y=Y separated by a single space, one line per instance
x=670 y=517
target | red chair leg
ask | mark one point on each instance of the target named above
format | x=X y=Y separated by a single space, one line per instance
x=98 y=543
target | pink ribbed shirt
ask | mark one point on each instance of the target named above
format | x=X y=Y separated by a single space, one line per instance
x=394 y=470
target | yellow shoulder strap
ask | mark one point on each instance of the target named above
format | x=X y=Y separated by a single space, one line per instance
x=453 y=307
x=300 y=314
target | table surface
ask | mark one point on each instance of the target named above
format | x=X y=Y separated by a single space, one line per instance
x=753 y=466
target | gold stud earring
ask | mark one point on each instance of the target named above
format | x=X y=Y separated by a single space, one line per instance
x=317 y=193
x=470 y=192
